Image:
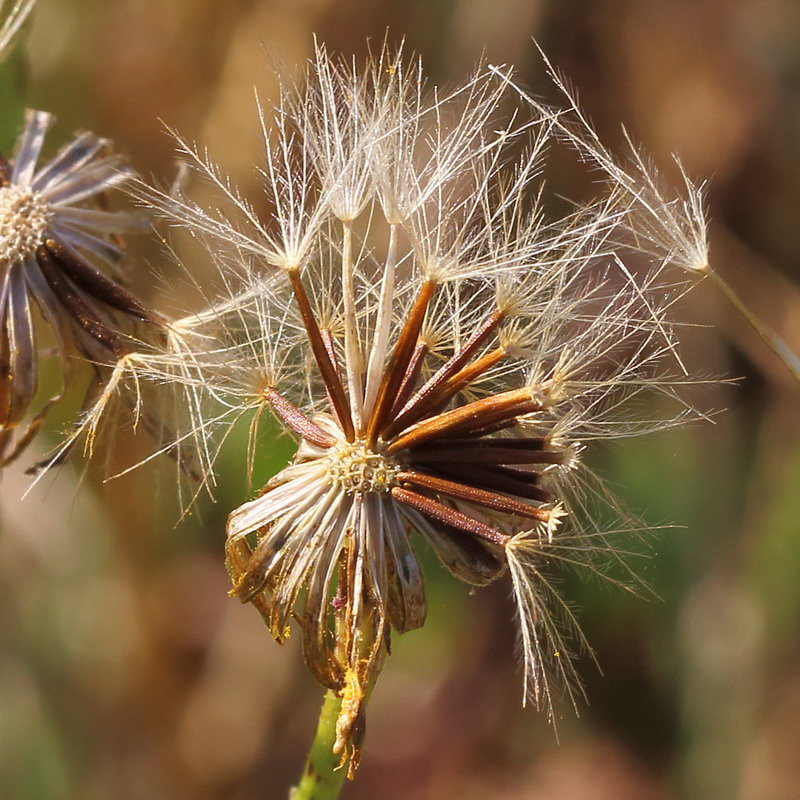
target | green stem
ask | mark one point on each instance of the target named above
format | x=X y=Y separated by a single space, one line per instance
x=323 y=776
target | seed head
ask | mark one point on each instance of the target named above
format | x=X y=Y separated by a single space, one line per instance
x=442 y=350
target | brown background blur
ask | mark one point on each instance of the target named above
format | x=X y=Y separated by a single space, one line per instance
x=125 y=670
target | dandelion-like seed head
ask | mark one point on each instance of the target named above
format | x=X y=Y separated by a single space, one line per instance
x=442 y=350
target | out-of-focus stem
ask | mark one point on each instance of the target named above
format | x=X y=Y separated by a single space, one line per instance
x=324 y=773
x=770 y=338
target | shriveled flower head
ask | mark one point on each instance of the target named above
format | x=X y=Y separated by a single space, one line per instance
x=441 y=350
x=57 y=243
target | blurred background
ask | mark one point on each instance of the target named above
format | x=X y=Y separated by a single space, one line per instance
x=126 y=671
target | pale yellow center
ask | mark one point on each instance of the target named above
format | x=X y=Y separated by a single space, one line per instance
x=355 y=468
x=24 y=217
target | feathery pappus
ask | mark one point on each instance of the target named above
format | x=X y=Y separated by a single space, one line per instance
x=441 y=349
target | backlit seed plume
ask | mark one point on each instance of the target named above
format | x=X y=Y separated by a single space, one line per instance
x=57 y=244
x=667 y=225
x=442 y=351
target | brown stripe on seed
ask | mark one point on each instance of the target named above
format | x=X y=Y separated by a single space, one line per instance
x=409 y=379
x=519 y=482
x=339 y=402
x=411 y=412
x=399 y=362
x=502 y=425
x=449 y=516
x=492 y=418
x=297 y=420
x=471 y=494
x=473 y=371
x=517 y=443
x=478 y=414
x=441 y=395
x=436 y=453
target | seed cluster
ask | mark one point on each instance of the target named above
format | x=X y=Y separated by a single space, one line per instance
x=354 y=467
x=439 y=345
x=24 y=217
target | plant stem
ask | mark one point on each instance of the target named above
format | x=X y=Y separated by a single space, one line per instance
x=323 y=776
